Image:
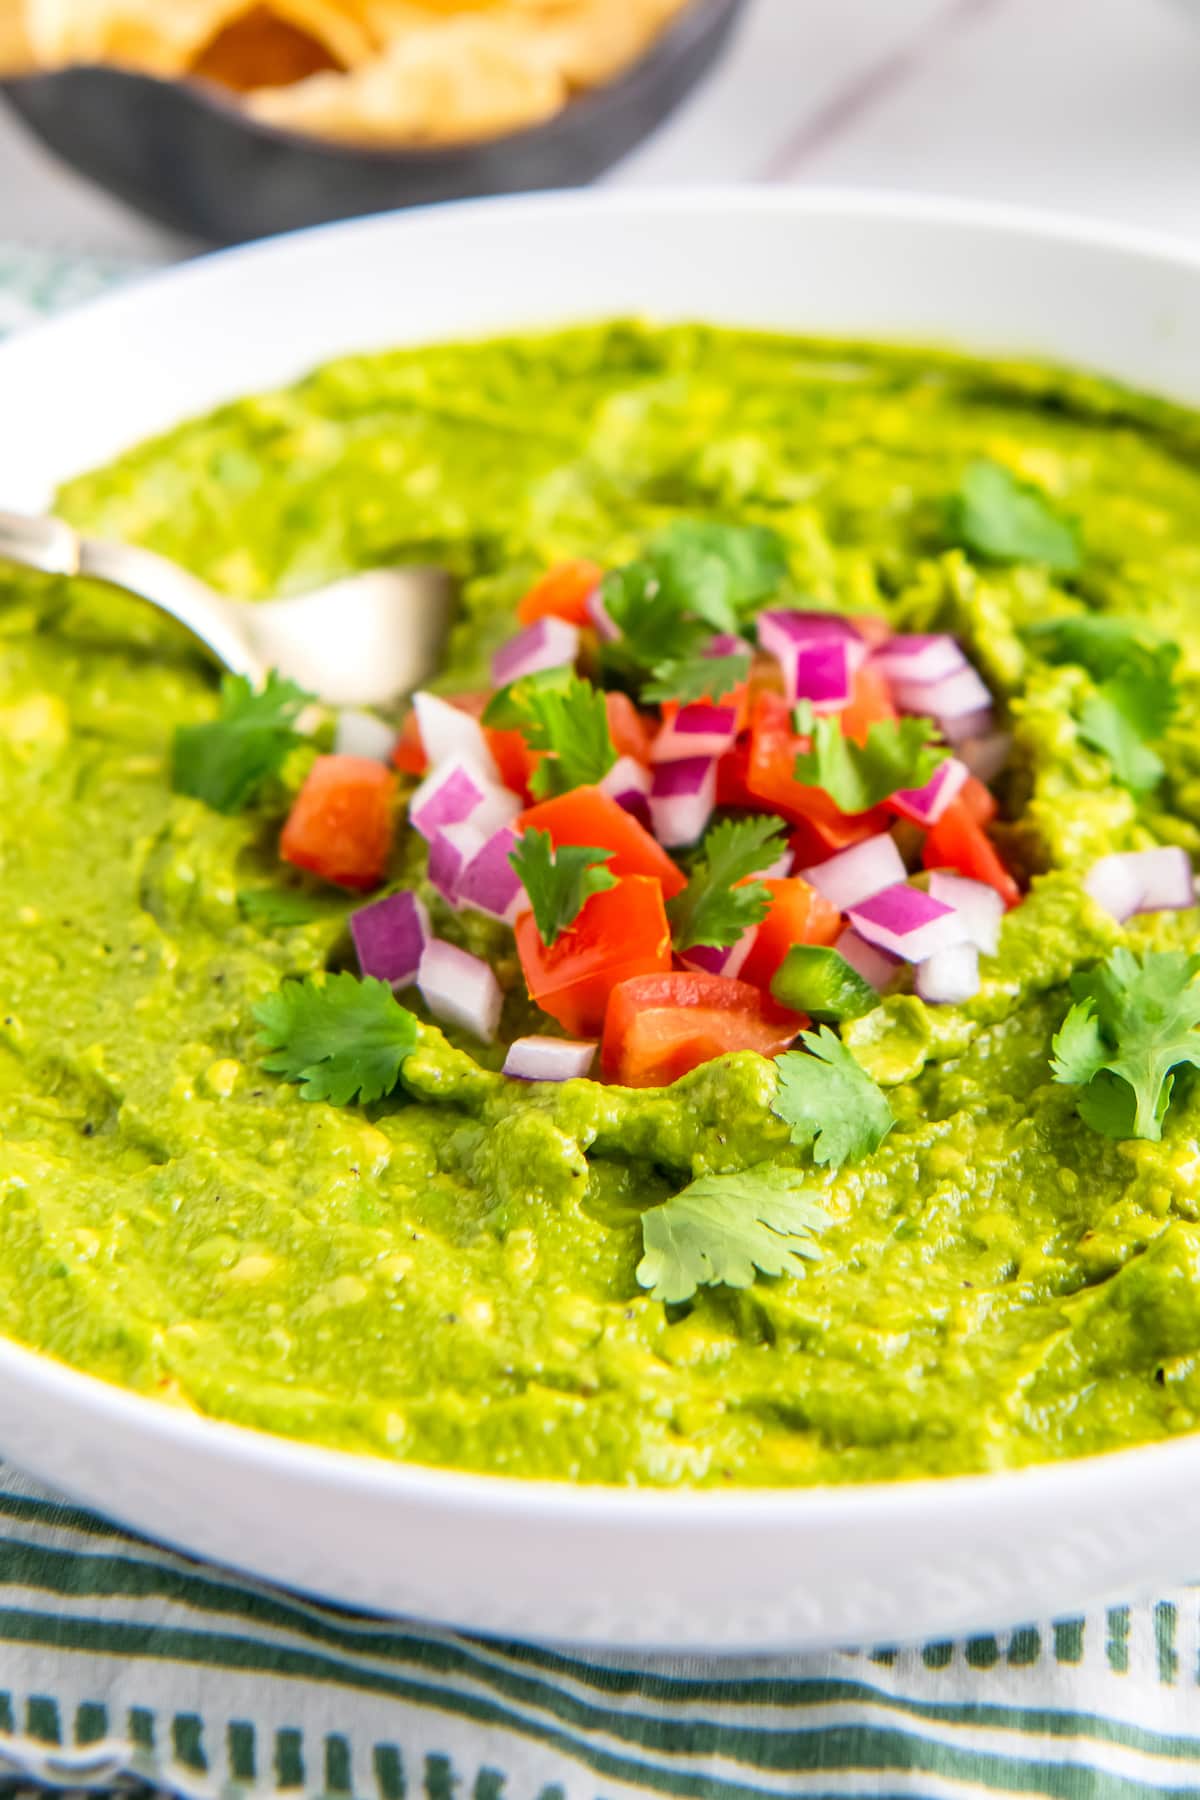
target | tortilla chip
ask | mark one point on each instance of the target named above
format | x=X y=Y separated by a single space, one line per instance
x=260 y=49
x=16 y=52
x=165 y=37
x=469 y=77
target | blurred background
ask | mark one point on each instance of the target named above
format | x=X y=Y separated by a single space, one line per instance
x=1091 y=105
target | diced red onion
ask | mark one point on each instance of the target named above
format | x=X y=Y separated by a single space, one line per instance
x=606 y=627
x=925 y=805
x=857 y=873
x=361 y=733
x=627 y=774
x=823 y=673
x=728 y=961
x=782 y=628
x=448 y=732
x=1141 y=881
x=986 y=756
x=724 y=643
x=908 y=922
x=456 y=792
x=921 y=657
x=958 y=696
x=450 y=850
x=488 y=881
x=876 y=966
x=696 y=730
x=460 y=989
x=390 y=936
x=949 y=976
x=682 y=797
x=549 y=1059
x=980 y=907
x=549 y=643
x=969 y=729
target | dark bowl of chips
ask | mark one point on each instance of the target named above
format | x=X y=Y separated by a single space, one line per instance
x=188 y=154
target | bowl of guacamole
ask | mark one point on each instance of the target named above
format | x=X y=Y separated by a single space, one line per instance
x=715 y=1075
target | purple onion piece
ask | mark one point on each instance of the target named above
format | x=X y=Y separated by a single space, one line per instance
x=549 y=643
x=697 y=730
x=857 y=873
x=877 y=967
x=448 y=733
x=781 y=628
x=950 y=976
x=460 y=989
x=606 y=628
x=728 y=961
x=361 y=733
x=980 y=906
x=726 y=644
x=626 y=775
x=908 y=922
x=959 y=696
x=1142 y=881
x=549 y=1059
x=450 y=850
x=925 y=805
x=390 y=936
x=924 y=658
x=682 y=797
x=970 y=729
x=986 y=755
x=447 y=796
x=489 y=882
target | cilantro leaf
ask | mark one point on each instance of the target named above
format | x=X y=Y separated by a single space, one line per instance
x=341 y=1039
x=1005 y=520
x=226 y=762
x=695 y=577
x=827 y=1099
x=281 y=906
x=559 y=882
x=712 y=909
x=1104 y=645
x=689 y=678
x=1122 y=719
x=1133 y=1023
x=565 y=715
x=898 y=753
x=724 y=1228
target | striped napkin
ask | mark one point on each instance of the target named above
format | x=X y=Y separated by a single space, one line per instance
x=125 y=1666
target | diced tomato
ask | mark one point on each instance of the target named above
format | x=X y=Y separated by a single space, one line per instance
x=958 y=842
x=820 y=827
x=562 y=593
x=588 y=816
x=660 y=1026
x=731 y=778
x=798 y=915
x=632 y=734
x=340 y=826
x=620 y=933
x=514 y=759
x=978 y=800
x=870 y=704
x=409 y=755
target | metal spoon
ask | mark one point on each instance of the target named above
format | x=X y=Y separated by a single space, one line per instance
x=367 y=640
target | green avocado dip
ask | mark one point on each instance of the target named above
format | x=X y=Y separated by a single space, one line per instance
x=449 y=1275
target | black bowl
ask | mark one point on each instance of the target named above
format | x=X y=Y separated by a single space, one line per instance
x=189 y=157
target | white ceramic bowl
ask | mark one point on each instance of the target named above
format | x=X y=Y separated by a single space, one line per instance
x=591 y=1565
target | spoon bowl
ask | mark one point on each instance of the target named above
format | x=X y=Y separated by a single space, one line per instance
x=365 y=640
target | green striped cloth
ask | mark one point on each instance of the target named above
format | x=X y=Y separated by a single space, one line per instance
x=123 y=1664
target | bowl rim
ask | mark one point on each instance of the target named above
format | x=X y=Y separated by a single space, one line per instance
x=675 y=39
x=464 y=1493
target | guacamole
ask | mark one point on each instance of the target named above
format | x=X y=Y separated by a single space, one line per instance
x=449 y=1276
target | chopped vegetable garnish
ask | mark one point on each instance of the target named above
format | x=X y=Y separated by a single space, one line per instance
x=698 y=677
x=559 y=882
x=898 y=753
x=340 y=825
x=588 y=816
x=621 y=932
x=341 y=1039
x=562 y=593
x=560 y=713
x=829 y=1101
x=276 y=906
x=814 y=979
x=227 y=762
x=1126 y=715
x=1132 y=1025
x=724 y=1229
x=713 y=908
x=1005 y=520
x=658 y=1027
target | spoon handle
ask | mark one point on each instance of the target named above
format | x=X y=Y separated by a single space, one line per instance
x=50 y=545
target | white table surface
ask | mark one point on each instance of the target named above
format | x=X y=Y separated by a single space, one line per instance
x=1091 y=105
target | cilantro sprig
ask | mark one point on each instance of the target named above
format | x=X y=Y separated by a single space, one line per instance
x=1005 y=520
x=282 y=906
x=693 y=578
x=725 y=1229
x=1136 y=696
x=1132 y=1025
x=898 y=753
x=691 y=678
x=559 y=882
x=829 y=1101
x=340 y=1039
x=712 y=909
x=565 y=716
x=227 y=762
